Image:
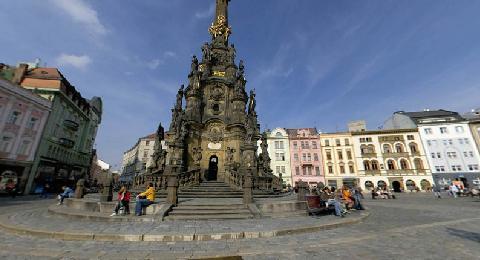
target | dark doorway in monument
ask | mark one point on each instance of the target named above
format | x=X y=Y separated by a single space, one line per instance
x=212 y=168
x=396 y=186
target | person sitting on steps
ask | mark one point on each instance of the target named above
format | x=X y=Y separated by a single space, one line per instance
x=145 y=199
x=123 y=202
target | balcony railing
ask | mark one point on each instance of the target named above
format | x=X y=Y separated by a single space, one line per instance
x=400 y=172
x=395 y=154
x=372 y=172
x=66 y=142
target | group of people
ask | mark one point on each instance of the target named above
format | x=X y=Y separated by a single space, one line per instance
x=382 y=193
x=343 y=200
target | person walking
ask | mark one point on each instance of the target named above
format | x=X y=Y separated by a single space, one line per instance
x=144 y=199
x=437 y=191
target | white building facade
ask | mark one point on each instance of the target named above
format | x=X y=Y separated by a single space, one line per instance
x=137 y=159
x=279 y=151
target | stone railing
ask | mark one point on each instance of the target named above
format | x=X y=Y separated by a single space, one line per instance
x=234 y=178
x=189 y=178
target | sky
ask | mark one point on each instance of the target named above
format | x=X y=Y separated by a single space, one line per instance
x=313 y=63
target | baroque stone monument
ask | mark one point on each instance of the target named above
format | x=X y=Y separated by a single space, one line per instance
x=214 y=129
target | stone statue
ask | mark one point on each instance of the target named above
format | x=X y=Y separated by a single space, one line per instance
x=253 y=103
x=159 y=155
x=197 y=155
x=207 y=55
x=241 y=70
x=180 y=93
x=232 y=53
x=194 y=67
x=230 y=153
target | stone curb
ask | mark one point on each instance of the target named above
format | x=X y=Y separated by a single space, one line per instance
x=59 y=211
x=23 y=230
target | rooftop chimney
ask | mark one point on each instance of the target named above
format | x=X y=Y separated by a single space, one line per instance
x=19 y=73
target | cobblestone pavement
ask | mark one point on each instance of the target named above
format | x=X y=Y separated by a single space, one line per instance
x=415 y=226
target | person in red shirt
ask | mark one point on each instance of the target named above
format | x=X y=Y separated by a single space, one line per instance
x=123 y=201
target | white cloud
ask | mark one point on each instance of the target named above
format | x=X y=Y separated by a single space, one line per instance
x=153 y=64
x=80 y=62
x=82 y=13
x=206 y=13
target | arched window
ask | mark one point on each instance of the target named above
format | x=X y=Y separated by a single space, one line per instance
x=278 y=134
x=399 y=148
x=374 y=165
x=418 y=164
x=410 y=184
x=6 y=143
x=366 y=165
x=391 y=164
x=371 y=148
x=425 y=184
x=387 y=148
x=403 y=164
x=413 y=147
x=363 y=149
x=369 y=185
x=381 y=184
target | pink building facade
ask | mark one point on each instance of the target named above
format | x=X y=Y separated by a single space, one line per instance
x=22 y=119
x=306 y=156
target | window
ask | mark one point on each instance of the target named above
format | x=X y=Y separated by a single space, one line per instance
x=145 y=153
x=471 y=154
x=330 y=169
x=349 y=155
x=452 y=155
x=460 y=141
x=278 y=144
x=147 y=143
x=391 y=165
x=329 y=155
x=304 y=157
x=403 y=164
x=309 y=170
x=14 y=117
x=295 y=157
x=366 y=165
x=410 y=137
x=307 y=145
x=278 y=169
x=429 y=143
x=309 y=157
x=465 y=140
x=6 y=143
x=347 y=142
x=302 y=144
x=459 y=129
x=283 y=169
x=473 y=167
x=443 y=130
x=351 y=169
x=433 y=155
x=440 y=168
x=315 y=157
x=340 y=155
x=465 y=154
x=386 y=148
x=327 y=143
x=450 y=142
x=32 y=123
x=428 y=131
x=413 y=147
x=399 y=148
x=337 y=142
x=297 y=170
x=418 y=164
x=279 y=156
x=314 y=145
x=295 y=146
x=23 y=149
x=317 y=170
x=456 y=168
x=342 y=169
x=304 y=171
x=439 y=155
x=374 y=165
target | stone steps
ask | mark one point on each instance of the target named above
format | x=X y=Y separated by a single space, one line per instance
x=208 y=217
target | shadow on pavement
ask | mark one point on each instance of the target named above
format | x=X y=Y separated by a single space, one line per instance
x=475 y=237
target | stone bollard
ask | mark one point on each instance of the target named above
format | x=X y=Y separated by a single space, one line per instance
x=247 y=188
x=302 y=190
x=172 y=189
x=79 y=190
x=107 y=192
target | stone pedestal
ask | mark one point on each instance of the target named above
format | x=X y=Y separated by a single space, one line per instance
x=107 y=192
x=79 y=190
x=248 y=187
x=172 y=189
x=302 y=190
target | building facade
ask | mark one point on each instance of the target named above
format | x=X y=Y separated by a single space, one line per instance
x=137 y=159
x=23 y=116
x=305 y=156
x=279 y=150
x=65 y=151
x=338 y=156
x=394 y=159
x=449 y=144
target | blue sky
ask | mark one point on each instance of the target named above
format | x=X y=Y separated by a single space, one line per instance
x=312 y=63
